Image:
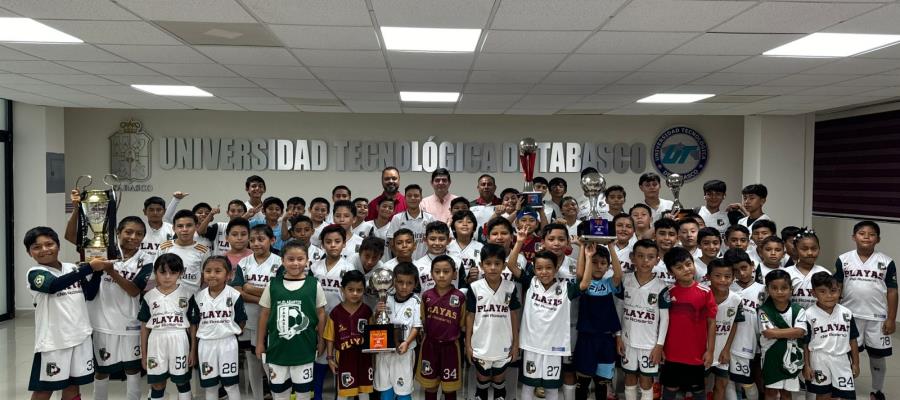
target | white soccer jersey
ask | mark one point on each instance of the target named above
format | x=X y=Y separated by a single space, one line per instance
x=746 y=338
x=369 y=226
x=727 y=316
x=866 y=283
x=717 y=220
x=114 y=311
x=830 y=333
x=257 y=275
x=218 y=317
x=567 y=270
x=330 y=279
x=764 y=324
x=166 y=311
x=492 y=328
x=351 y=248
x=545 y=327
x=483 y=214
x=584 y=207
x=314 y=239
x=700 y=272
x=219 y=241
x=416 y=225
x=314 y=253
x=192 y=256
x=468 y=257
x=802 y=285
x=641 y=311
x=426 y=280
x=662 y=273
x=664 y=205
x=407 y=314
x=624 y=255
x=55 y=313
x=155 y=237
x=745 y=222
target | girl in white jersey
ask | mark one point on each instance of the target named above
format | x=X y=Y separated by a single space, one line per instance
x=464 y=246
x=117 y=332
x=62 y=345
x=807 y=245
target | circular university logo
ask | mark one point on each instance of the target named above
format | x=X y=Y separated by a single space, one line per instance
x=680 y=150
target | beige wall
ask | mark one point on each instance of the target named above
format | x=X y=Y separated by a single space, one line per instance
x=87 y=147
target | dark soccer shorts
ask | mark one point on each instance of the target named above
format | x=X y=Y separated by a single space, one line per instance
x=439 y=363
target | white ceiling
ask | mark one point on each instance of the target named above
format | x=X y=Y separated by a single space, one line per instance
x=534 y=57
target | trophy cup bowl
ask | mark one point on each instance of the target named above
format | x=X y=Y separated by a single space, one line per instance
x=527 y=146
x=674 y=182
x=527 y=158
x=595 y=229
x=382 y=335
x=94 y=207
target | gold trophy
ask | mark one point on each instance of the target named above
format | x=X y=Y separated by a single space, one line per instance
x=98 y=214
x=381 y=336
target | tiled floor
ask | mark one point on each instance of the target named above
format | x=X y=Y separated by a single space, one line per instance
x=17 y=346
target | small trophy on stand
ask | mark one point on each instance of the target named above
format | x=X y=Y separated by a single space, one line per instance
x=527 y=159
x=595 y=229
x=98 y=214
x=382 y=335
x=674 y=182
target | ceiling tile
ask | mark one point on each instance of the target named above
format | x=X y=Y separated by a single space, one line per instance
x=16 y=78
x=190 y=69
x=605 y=62
x=270 y=107
x=72 y=79
x=80 y=9
x=873 y=80
x=749 y=44
x=882 y=21
x=7 y=54
x=668 y=78
x=834 y=90
x=248 y=55
x=692 y=63
x=714 y=89
x=430 y=87
x=557 y=14
x=768 y=90
x=239 y=92
x=811 y=79
x=776 y=65
x=341 y=58
x=428 y=110
x=113 y=32
x=217 y=81
x=497 y=88
x=675 y=15
x=853 y=65
x=544 y=88
x=533 y=41
x=277 y=72
x=433 y=13
x=194 y=10
x=402 y=59
x=105 y=89
x=143 y=79
x=265 y=99
x=373 y=106
x=630 y=89
x=158 y=54
x=295 y=84
x=327 y=37
x=517 y=62
x=604 y=42
x=548 y=101
x=376 y=96
x=351 y=74
x=359 y=86
x=888 y=91
x=332 y=109
x=504 y=76
x=582 y=77
x=123 y=68
x=532 y=111
x=792 y=17
x=429 y=75
x=35 y=67
x=469 y=99
x=478 y=110
x=66 y=52
x=311 y=12
x=736 y=78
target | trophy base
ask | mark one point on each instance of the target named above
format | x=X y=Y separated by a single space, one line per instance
x=94 y=252
x=533 y=199
x=598 y=239
x=380 y=338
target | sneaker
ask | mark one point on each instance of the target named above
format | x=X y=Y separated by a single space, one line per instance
x=657 y=391
x=876 y=395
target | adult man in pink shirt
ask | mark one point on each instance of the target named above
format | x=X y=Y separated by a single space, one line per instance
x=390 y=182
x=438 y=204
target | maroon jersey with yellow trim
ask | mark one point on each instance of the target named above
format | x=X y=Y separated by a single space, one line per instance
x=443 y=315
x=348 y=328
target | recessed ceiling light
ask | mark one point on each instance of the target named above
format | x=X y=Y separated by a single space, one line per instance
x=833 y=45
x=674 y=98
x=29 y=30
x=433 y=97
x=173 y=90
x=430 y=39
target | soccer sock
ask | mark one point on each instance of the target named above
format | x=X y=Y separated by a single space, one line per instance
x=430 y=395
x=481 y=390
x=499 y=391
x=582 y=387
x=363 y=396
x=600 y=387
x=449 y=395
x=552 y=394
x=319 y=373
x=285 y=395
x=157 y=393
x=212 y=393
x=631 y=392
x=184 y=391
x=751 y=392
x=133 y=386
x=302 y=396
x=877 y=366
x=731 y=391
x=646 y=394
x=668 y=394
x=254 y=375
x=527 y=392
x=569 y=392
x=234 y=392
x=511 y=380
x=101 y=389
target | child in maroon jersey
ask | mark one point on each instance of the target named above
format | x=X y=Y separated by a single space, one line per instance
x=344 y=338
x=443 y=314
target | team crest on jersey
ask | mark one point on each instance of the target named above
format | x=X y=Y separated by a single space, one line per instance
x=530 y=367
x=104 y=355
x=572 y=269
x=229 y=302
x=846 y=317
x=39 y=281
x=668 y=297
x=155 y=305
x=361 y=325
x=730 y=312
x=272 y=374
x=762 y=297
x=508 y=298
x=454 y=300
x=763 y=317
x=651 y=298
x=407 y=313
x=426 y=368
x=151 y=363
x=820 y=377
x=881 y=266
x=812 y=321
x=347 y=379
x=558 y=290
x=206 y=369
x=720 y=221
x=290 y=319
x=182 y=302
x=52 y=369
x=400 y=381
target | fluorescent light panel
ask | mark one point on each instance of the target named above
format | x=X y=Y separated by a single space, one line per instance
x=430 y=39
x=833 y=45
x=674 y=98
x=173 y=90
x=29 y=30
x=431 y=97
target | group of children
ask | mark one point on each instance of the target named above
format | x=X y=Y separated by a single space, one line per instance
x=716 y=303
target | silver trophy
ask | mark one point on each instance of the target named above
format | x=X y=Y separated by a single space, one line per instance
x=382 y=280
x=674 y=182
x=527 y=158
x=595 y=229
x=382 y=336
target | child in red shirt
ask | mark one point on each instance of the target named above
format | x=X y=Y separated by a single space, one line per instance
x=690 y=341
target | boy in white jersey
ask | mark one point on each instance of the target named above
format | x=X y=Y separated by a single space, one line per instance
x=63 y=359
x=184 y=246
x=216 y=232
x=743 y=366
x=328 y=272
x=343 y=214
x=414 y=219
x=217 y=313
x=666 y=235
x=753 y=198
x=688 y=229
x=492 y=324
x=649 y=184
x=166 y=340
x=403 y=246
x=394 y=371
x=769 y=255
x=713 y=216
x=302 y=231
x=544 y=333
x=728 y=315
x=464 y=246
x=117 y=332
x=437 y=236
x=710 y=244
x=807 y=244
x=645 y=321
x=251 y=276
x=869 y=280
x=830 y=335
x=379 y=226
x=158 y=231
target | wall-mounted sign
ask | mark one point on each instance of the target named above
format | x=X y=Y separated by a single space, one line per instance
x=129 y=158
x=680 y=150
